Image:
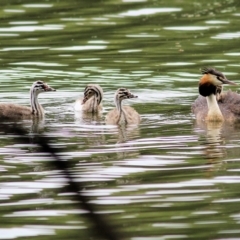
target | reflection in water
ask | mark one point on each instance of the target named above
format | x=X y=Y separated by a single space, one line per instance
x=214 y=140
x=37 y=125
x=88 y=118
x=215 y=144
x=216 y=134
x=127 y=132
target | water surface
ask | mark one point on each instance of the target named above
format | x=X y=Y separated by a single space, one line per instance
x=169 y=177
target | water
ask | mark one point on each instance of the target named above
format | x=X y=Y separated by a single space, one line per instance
x=168 y=178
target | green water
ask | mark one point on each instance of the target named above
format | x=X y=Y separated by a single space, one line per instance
x=168 y=178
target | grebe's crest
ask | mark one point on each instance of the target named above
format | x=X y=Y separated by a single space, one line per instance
x=207 y=70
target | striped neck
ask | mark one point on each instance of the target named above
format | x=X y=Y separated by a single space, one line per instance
x=93 y=103
x=121 y=116
x=37 y=109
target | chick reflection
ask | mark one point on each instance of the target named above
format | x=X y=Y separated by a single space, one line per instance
x=126 y=133
x=87 y=118
x=122 y=136
x=37 y=125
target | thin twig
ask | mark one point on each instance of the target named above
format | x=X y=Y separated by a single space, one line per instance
x=104 y=230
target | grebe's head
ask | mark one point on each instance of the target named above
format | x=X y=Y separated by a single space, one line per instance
x=40 y=86
x=93 y=90
x=123 y=93
x=211 y=80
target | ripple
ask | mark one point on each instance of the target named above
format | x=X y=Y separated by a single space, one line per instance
x=80 y=48
x=232 y=35
x=215 y=60
x=232 y=54
x=98 y=42
x=72 y=19
x=142 y=35
x=39 y=64
x=88 y=59
x=16 y=232
x=9 y=34
x=217 y=22
x=171 y=225
x=45 y=213
x=33 y=28
x=14 y=10
x=36 y=5
x=130 y=50
x=177 y=64
x=187 y=28
x=164 y=237
x=134 y=0
x=22 y=48
x=149 y=11
x=23 y=22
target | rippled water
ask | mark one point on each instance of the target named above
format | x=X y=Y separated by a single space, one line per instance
x=168 y=178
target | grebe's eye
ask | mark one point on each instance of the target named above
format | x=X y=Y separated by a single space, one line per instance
x=220 y=77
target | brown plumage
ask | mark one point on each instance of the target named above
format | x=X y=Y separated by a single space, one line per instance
x=123 y=114
x=92 y=100
x=229 y=105
x=14 y=111
x=214 y=105
x=11 y=111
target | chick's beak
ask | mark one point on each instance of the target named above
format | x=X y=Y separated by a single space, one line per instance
x=132 y=96
x=49 y=89
x=84 y=99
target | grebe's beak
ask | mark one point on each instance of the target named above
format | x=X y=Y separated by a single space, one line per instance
x=47 y=88
x=132 y=96
x=85 y=99
x=226 y=81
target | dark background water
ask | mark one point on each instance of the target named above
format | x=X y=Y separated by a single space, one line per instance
x=168 y=178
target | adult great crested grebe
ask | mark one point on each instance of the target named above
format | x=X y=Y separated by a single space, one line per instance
x=214 y=105
x=11 y=111
x=123 y=114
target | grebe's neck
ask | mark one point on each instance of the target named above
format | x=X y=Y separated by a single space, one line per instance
x=93 y=104
x=214 y=112
x=121 y=114
x=118 y=104
x=35 y=105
